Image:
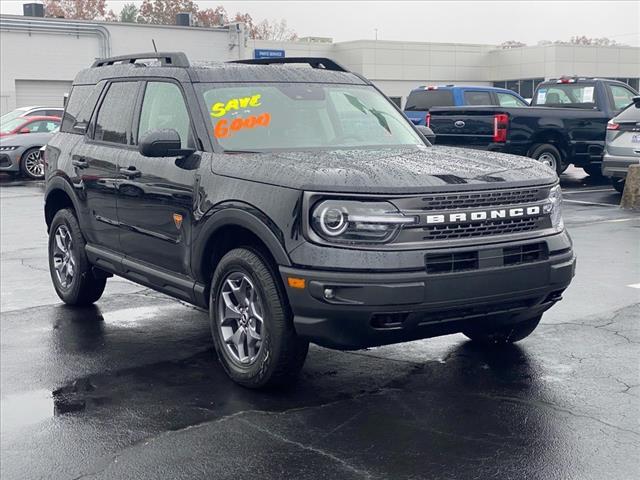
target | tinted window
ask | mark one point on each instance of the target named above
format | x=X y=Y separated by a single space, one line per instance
x=477 y=98
x=38 y=113
x=621 y=96
x=425 y=99
x=508 y=100
x=114 y=117
x=79 y=108
x=54 y=113
x=163 y=107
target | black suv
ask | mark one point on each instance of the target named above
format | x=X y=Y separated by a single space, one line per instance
x=296 y=203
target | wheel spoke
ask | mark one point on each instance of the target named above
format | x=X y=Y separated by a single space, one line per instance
x=60 y=242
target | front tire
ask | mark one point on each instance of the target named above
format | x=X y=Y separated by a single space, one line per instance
x=32 y=164
x=70 y=269
x=549 y=155
x=593 y=170
x=618 y=184
x=504 y=335
x=251 y=322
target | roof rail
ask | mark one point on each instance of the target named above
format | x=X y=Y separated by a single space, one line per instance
x=167 y=59
x=314 y=62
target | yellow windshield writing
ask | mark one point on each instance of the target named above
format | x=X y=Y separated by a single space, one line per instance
x=220 y=109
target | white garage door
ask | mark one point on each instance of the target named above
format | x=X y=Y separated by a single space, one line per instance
x=48 y=93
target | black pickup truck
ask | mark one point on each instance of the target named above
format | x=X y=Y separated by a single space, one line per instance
x=566 y=123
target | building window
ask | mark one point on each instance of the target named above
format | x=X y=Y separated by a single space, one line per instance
x=524 y=87
x=397 y=101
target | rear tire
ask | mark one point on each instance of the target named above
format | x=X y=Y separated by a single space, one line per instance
x=70 y=269
x=550 y=156
x=504 y=335
x=251 y=323
x=593 y=170
x=618 y=184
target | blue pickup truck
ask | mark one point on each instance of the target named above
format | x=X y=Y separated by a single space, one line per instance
x=421 y=99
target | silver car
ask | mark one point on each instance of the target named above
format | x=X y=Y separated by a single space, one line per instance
x=622 y=147
x=20 y=154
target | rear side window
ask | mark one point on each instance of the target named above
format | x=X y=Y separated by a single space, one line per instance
x=42 y=126
x=621 y=96
x=508 y=100
x=114 y=117
x=425 y=99
x=477 y=98
x=79 y=109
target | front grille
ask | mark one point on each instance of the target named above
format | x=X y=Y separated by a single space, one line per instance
x=480 y=229
x=451 y=201
x=451 y=262
x=525 y=254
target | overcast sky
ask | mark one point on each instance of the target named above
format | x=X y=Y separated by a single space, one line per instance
x=439 y=21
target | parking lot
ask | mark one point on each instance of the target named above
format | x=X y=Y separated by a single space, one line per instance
x=131 y=386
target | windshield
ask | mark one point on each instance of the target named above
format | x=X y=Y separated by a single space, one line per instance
x=565 y=95
x=11 y=115
x=296 y=116
x=11 y=125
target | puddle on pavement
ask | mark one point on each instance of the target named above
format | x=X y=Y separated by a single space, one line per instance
x=24 y=409
x=126 y=316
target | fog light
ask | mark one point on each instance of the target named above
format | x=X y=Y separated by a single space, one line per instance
x=329 y=293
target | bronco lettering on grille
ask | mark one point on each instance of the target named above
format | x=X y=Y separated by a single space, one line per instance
x=482 y=215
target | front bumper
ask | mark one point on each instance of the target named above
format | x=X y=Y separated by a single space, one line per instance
x=10 y=161
x=369 y=309
x=617 y=167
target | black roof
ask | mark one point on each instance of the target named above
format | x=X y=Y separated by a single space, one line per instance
x=176 y=65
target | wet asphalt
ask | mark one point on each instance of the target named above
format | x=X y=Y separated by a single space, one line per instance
x=131 y=389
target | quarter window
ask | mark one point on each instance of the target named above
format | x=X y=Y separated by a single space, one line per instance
x=114 y=117
x=163 y=107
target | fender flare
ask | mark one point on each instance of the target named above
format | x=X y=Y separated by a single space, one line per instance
x=59 y=183
x=237 y=215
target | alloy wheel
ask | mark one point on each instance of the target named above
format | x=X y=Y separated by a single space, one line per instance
x=241 y=318
x=34 y=164
x=64 y=260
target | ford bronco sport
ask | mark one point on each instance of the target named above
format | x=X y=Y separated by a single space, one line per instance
x=296 y=203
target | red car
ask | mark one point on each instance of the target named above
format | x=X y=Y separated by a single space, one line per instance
x=30 y=125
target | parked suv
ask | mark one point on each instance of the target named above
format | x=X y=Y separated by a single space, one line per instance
x=623 y=145
x=297 y=204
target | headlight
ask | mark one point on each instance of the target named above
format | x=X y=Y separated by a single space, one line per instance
x=6 y=148
x=554 y=207
x=347 y=221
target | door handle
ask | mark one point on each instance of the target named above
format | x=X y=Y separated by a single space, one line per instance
x=131 y=172
x=80 y=163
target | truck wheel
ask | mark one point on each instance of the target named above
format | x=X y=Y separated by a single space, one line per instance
x=503 y=335
x=70 y=269
x=550 y=156
x=618 y=184
x=251 y=322
x=593 y=170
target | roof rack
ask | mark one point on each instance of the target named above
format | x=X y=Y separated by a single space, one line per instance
x=314 y=62
x=167 y=59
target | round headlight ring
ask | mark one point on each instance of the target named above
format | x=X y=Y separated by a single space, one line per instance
x=333 y=221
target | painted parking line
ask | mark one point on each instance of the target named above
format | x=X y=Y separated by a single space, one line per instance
x=590 y=203
x=634 y=285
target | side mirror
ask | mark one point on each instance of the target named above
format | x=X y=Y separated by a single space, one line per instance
x=24 y=130
x=427 y=133
x=162 y=143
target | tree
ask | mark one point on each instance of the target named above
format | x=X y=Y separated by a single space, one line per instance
x=129 y=13
x=512 y=44
x=212 y=17
x=76 y=9
x=582 y=40
x=267 y=30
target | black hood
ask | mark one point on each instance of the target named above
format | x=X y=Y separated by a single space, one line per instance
x=398 y=170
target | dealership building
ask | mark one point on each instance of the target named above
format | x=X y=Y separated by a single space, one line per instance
x=41 y=56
